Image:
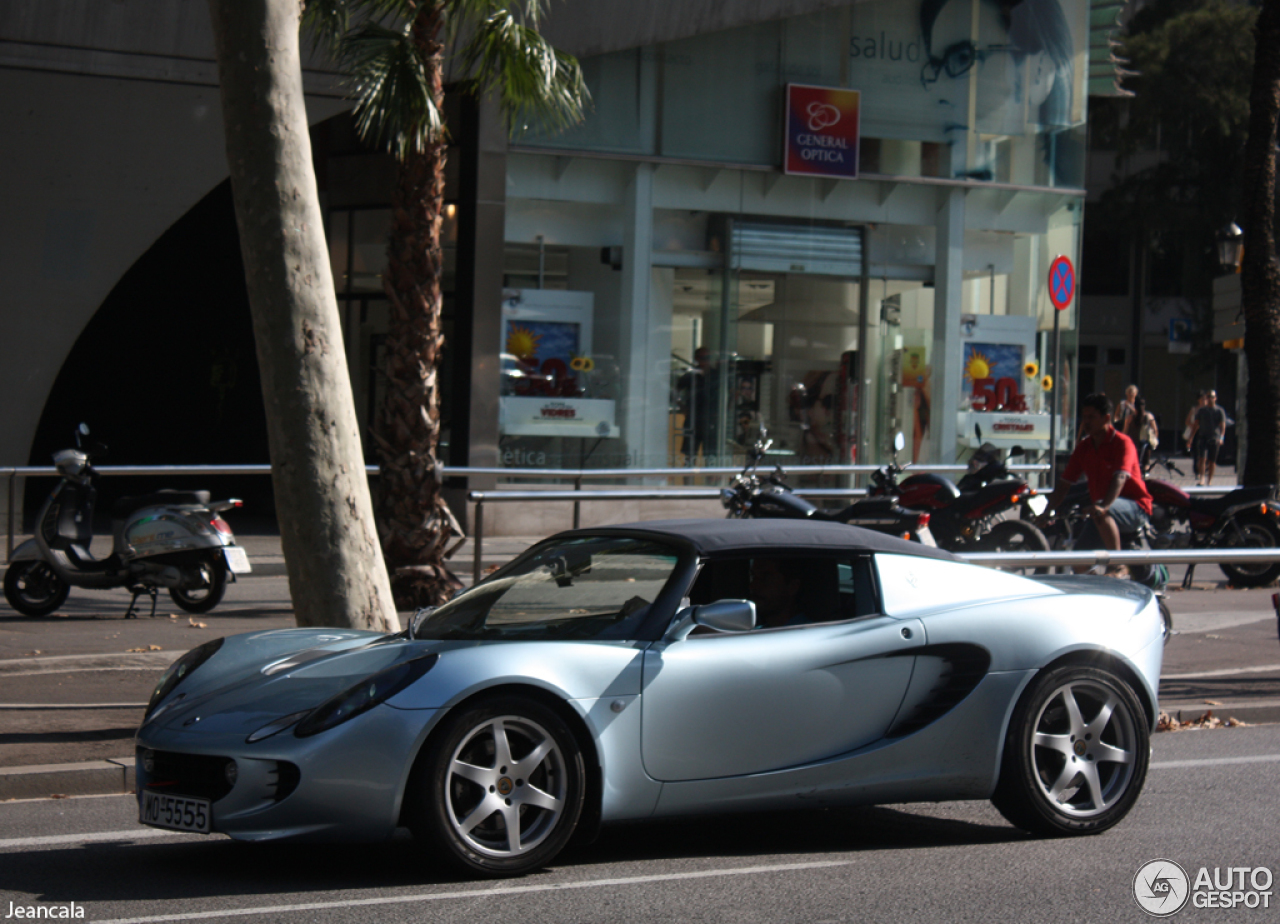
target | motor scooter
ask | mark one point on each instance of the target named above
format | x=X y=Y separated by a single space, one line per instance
x=172 y=539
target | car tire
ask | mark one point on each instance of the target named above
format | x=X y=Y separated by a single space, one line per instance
x=34 y=589
x=1015 y=536
x=1254 y=533
x=1076 y=754
x=202 y=600
x=502 y=764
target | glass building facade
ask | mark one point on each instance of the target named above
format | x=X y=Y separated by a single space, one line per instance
x=834 y=227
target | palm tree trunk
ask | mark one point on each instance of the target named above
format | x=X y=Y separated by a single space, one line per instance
x=413 y=519
x=1260 y=275
x=336 y=574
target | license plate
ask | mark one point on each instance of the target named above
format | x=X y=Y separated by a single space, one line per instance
x=179 y=813
x=926 y=537
x=237 y=559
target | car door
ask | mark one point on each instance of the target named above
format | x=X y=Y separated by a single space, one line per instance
x=727 y=704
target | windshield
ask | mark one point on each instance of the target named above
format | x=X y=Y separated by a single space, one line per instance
x=587 y=588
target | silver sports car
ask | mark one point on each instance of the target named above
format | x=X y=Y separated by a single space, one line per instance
x=669 y=668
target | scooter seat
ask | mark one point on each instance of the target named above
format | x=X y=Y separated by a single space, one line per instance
x=126 y=505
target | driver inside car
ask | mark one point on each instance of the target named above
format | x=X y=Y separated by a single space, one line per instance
x=775 y=590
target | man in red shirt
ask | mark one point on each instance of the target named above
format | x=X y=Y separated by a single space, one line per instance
x=1108 y=459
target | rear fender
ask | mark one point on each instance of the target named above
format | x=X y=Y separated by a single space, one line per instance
x=28 y=551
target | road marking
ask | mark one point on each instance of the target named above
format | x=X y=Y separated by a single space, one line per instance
x=20 y=706
x=1214 y=761
x=265 y=910
x=1225 y=672
x=55 y=840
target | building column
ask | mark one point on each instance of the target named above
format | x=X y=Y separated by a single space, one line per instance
x=478 y=330
x=645 y=332
x=948 y=355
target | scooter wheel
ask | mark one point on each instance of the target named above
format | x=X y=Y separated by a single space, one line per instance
x=34 y=589
x=203 y=599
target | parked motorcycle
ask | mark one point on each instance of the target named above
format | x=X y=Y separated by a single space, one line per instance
x=770 y=497
x=171 y=539
x=1246 y=518
x=970 y=516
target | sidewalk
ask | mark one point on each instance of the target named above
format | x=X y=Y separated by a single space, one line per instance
x=73 y=686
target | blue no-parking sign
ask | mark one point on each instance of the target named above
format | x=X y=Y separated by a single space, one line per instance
x=1062 y=282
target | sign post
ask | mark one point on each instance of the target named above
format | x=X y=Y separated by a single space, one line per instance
x=1062 y=288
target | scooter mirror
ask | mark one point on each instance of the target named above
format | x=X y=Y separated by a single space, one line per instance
x=84 y=429
x=977 y=431
x=899 y=442
x=1015 y=451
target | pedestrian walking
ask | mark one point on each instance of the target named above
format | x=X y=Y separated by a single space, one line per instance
x=1189 y=431
x=1144 y=431
x=1210 y=428
x=1124 y=410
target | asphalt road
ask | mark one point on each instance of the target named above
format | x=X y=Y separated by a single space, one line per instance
x=1210 y=801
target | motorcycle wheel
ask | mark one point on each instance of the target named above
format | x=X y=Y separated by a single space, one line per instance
x=34 y=589
x=1255 y=533
x=1015 y=536
x=203 y=599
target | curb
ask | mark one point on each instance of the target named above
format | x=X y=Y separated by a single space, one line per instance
x=113 y=776
x=1260 y=712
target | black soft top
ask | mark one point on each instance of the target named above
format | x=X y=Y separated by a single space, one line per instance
x=710 y=537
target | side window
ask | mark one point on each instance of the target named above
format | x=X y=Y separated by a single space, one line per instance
x=789 y=590
x=857 y=588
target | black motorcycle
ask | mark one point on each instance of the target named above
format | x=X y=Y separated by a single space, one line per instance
x=750 y=496
x=1245 y=518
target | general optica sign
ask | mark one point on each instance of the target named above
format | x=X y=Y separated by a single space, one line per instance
x=821 y=131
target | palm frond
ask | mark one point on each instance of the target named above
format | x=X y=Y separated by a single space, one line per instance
x=326 y=22
x=533 y=82
x=462 y=14
x=391 y=84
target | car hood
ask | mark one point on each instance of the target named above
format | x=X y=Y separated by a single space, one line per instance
x=258 y=677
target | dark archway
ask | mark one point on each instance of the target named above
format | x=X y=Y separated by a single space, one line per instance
x=165 y=373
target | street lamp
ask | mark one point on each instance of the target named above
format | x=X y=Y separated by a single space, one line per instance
x=1230 y=247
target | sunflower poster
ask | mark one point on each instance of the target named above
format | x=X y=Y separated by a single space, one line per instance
x=992 y=361
x=550 y=381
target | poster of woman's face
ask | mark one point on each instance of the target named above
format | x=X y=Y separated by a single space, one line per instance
x=998 y=67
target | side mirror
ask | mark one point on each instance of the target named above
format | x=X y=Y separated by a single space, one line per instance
x=1015 y=451
x=418 y=619
x=977 y=431
x=899 y=442
x=726 y=615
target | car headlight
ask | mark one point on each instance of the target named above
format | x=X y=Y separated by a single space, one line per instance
x=363 y=696
x=180 y=670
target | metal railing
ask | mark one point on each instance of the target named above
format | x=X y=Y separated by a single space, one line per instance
x=574 y=475
x=1014 y=559
x=578 y=495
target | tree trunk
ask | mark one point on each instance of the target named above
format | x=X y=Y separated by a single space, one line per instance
x=1260 y=276
x=336 y=574
x=413 y=519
